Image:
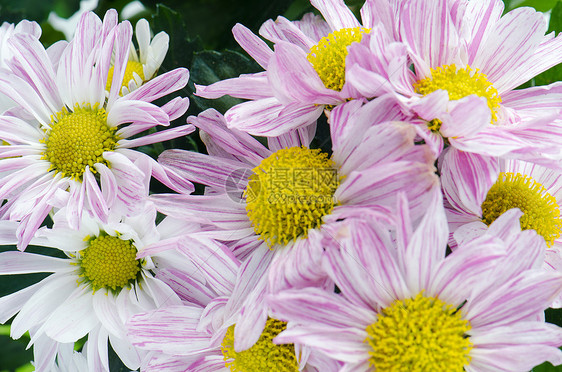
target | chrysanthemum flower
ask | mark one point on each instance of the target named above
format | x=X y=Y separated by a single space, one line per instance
x=142 y=65
x=290 y=191
x=467 y=60
x=222 y=327
x=405 y=306
x=96 y=288
x=79 y=156
x=305 y=74
x=479 y=192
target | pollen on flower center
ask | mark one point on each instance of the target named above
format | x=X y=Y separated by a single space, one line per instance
x=78 y=138
x=289 y=193
x=132 y=67
x=328 y=56
x=540 y=209
x=459 y=83
x=109 y=262
x=264 y=355
x=419 y=334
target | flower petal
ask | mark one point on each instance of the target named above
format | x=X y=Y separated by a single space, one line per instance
x=467 y=178
x=252 y=44
x=74 y=318
x=336 y=13
x=251 y=86
x=172 y=330
x=268 y=117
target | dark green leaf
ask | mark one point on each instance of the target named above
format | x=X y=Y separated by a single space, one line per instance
x=555 y=23
x=213 y=20
x=540 y=5
x=180 y=52
x=211 y=66
x=554 y=316
x=547 y=367
x=13 y=353
x=555 y=73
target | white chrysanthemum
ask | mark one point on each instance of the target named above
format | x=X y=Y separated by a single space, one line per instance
x=96 y=288
x=143 y=65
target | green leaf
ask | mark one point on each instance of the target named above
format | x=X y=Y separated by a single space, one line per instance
x=555 y=23
x=298 y=8
x=540 y=5
x=555 y=73
x=181 y=49
x=547 y=367
x=211 y=66
x=553 y=316
x=213 y=20
x=13 y=353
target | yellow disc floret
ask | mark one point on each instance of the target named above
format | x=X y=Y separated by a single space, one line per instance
x=459 y=83
x=328 y=56
x=78 y=138
x=264 y=355
x=540 y=209
x=109 y=262
x=419 y=334
x=132 y=66
x=289 y=193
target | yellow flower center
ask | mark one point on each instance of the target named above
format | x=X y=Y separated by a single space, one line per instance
x=459 y=83
x=77 y=139
x=419 y=334
x=109 y=262
x=328 y=56
x=289 y=193
x=132 y=66
x=264 y=355
x=540 y=209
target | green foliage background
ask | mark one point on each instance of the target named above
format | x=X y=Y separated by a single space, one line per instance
x=200 y=40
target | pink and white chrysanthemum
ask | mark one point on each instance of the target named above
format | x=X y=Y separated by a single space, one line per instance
x=94 y=290
x=143 y=65
x=291 y=192
x=478 y=193
x=467 y=61
x=405 y=305
x=306 y=72
x=80 y=155
x=220 y=327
